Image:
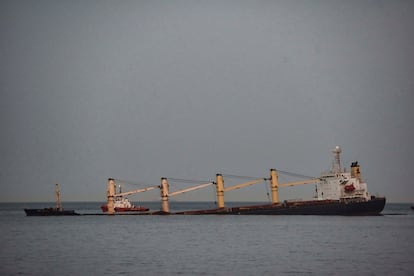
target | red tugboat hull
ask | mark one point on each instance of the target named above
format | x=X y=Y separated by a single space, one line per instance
x=104 y=208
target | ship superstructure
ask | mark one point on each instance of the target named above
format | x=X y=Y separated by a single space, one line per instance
x=339 y=184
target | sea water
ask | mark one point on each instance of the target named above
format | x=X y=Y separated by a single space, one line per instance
x=204 y=245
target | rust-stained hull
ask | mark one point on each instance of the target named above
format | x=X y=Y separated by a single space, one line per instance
x=315 y=207
x=49 y=212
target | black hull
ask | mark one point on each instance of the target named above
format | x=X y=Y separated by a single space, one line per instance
x=372 y=207
x=50 y=212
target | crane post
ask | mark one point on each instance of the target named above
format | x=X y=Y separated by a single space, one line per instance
x=220 y=190
x=274 y=186
x=164 y=195
x=58 y=203
x=111 y=194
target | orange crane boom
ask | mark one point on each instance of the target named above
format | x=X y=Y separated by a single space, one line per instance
x=137 y=191
x=235 y=187
x=303 y=182
x=190 y=189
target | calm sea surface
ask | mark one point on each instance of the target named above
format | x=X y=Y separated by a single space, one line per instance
x=204 y=245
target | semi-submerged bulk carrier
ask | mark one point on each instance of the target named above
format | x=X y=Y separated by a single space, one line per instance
x=339 y=192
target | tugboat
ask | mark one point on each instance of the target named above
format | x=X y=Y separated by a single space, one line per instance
x=122 y=204
x=58 y=211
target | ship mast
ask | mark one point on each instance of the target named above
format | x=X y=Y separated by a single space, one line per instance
x=58 y=203
x=336 y=163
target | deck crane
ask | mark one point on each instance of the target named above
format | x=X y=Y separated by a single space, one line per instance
x=111 y=194
x=274 y=186
x=220 y=188
x=165 y=194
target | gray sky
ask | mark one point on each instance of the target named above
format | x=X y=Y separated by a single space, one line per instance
x=140 y=90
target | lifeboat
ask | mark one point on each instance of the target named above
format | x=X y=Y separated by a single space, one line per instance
x=349 y=188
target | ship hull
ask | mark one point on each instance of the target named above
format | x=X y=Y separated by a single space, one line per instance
x=372 y=207
x=49 y=212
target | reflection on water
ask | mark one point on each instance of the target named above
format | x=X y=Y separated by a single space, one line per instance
x=209 y=245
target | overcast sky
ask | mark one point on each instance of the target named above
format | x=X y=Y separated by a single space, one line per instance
x=140 y=90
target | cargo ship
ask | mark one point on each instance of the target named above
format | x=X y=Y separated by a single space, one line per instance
x=52 y=211
x=338 y=192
